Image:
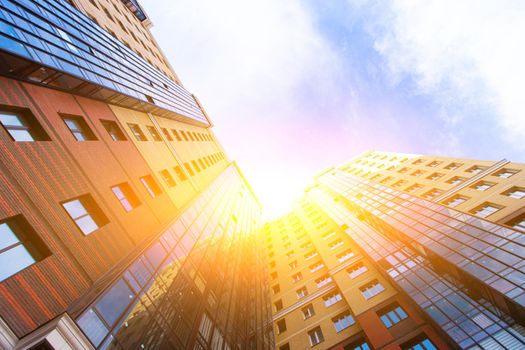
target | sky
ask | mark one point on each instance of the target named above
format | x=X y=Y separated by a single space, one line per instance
x=294 y=87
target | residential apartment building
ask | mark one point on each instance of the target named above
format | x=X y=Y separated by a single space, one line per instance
x=397 y=251
x=123 y=225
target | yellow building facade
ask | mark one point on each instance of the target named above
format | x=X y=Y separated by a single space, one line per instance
x=331 y=290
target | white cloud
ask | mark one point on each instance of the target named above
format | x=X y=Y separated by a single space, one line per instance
x=242 y=53
x=469 y=54
x=250 y=62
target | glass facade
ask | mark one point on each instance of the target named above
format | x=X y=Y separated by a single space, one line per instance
x=198 y=285
x=50 y=42
x=465 y=273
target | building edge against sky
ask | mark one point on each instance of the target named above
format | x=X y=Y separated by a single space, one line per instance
x=123 y=224
x=394 y=251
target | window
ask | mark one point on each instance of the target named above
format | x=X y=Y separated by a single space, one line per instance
x=485 y=209
x=86 y=214
x=278 y=305
x=399 y=183
x=20 y=246
x=418 y=173
x=184 y=135
x=332 y=298
x=189 y=169
x=316 y=267
x=310 y=255
x=113 y=130
x=403 y=170
x=272 y=263
x=21 y=125
x=335 y=244
x=290 y=254
x=482 y=185
x=433 y=164
x=413 y=188
x=392 y=315
x=323 y=280
x=301 y=292
x=371 y=289
x=154 y=133
x=196 y=166
x=285 y=347
x=126 y=196
x=137 y=132
x=168 y=179
x=435 y=176
x=420 y=342
x=167 y=134
x=151 y=185
x=315 y=336
x=476 y=169
x=176 y=134
x=453 y=166
x=78 y=127
x=107 y=13
x=297 y=277
x=273 y=275
x=308 y=311
x=432 y=193
x=518 y=223
x=342 y=321
x=505 y=173
x=276 y=289
x=455 y=201
x=180 y=173
x=515 y=192
x=293 y=264
x=328 y=235
x=122 y=26
x=356 y=270
x=360 y=344
x=456 y=180
x=281 y=326
x=386 y=179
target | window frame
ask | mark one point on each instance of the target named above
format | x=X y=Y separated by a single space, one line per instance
x=319 y=337
x=108 y=124
x=92 y=210
x=129 y=196
x=81 y=127
x=23 y=235
x=152 y=187
x=342 y=319
x=392 y=309
x=28 y=123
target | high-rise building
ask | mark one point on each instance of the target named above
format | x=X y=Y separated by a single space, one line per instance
x=123 y=225
x=398 y=251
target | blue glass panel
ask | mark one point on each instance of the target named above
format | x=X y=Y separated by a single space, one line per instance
x=14 y=260
x=92 y=327
x=7 y=236
x=139 y=270
x=115 y=301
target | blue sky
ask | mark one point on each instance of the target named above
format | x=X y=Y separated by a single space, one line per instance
x=296 y=86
